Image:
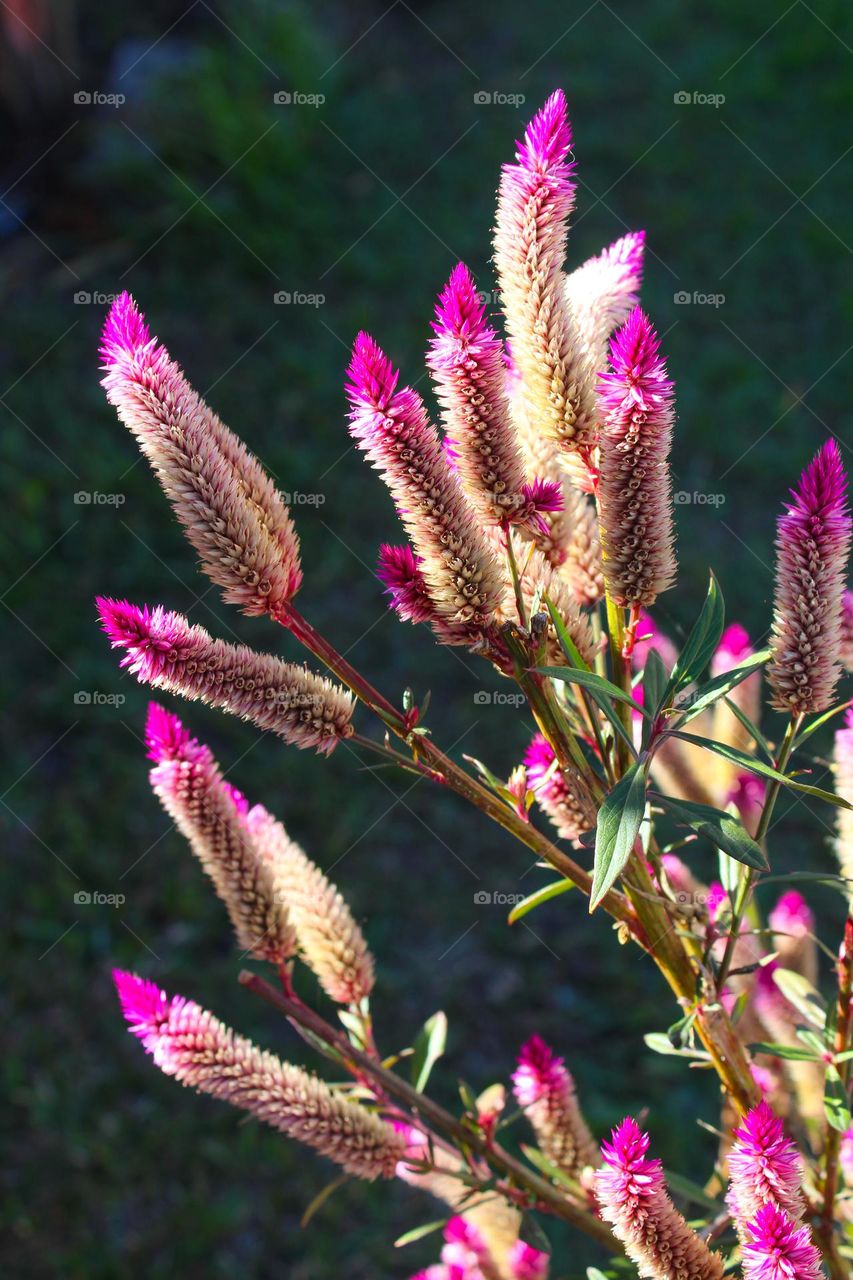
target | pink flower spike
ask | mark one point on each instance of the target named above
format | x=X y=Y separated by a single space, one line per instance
x=633 y=1198
x=779 y=1249
x=635 y=487
x=167 y=739
x=603 y=291
x=792 y=915
x=167 y=652
x=231 y=511
x=544 y=1088
x=812 y=546
x=560 y=795
x=192 y=1045
x=400 y=574
x=392 y=428
x=733 y=649
x=846 y=653
x=764 y=1168
x=846 y=1156
x=527 y=1263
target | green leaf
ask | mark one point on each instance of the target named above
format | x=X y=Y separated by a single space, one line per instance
x=701 y=643
x=418 y=1233
x=659 y=1042
x=791 y=1052
x=836 y=1102
x=819 y=722
x=720 y=685
x=544 y=1165
x=321 y=1198
x=691 y=1191
x=618 y=826
x=654 y=682
x=589 y=680
x=545 y=894
x=755 y=766
x=802 y=995
x=721 y=828
x=567 y=644
x=751 y=728
x=428 y=1048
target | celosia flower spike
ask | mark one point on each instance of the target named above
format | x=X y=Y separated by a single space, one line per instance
x=563 y=798
x=400 y=574
x=233 y=515
x=633 y=1198
x=164 y=650
x=392 y=428
x=467 y=362
x=603 y=292
x=192 y=1045
x=779 y=1249
x=330 y=941
x=843 y=767
x=546 y=1091
x=764 y=1168
x=635 y=488
x=190 y=786
x=535 y=197
x=812 y=546
x=846 y=651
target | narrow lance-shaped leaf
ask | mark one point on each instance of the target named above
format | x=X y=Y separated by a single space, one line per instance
x=707 y=694
x=429 y=1047
x=618 y=826
x=721 y=828
x=747 y=762
x=702 y=641
x=545 y=894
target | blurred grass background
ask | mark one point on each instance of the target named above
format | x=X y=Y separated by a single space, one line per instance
x=206 y=198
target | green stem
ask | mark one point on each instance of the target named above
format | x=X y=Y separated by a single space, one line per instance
x=747 y=876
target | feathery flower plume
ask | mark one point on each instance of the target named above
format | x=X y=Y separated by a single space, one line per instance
x=467 y=362
x=191 y=788
x=189 y=1043
x=633 y=1198
x=545 y=1089
x=392 y=428
x=764 y=1168
x=812 y=545
x=793 y=922
x=233 y=515
x=167 y=652
x=527 y=1263
x=568 y=537
x=564 y=799
x=846 y=651
x=635 y=488
x=603 y=291
x=330 y=941
x=535 y=197
x=843 y=769
x=779 y=1249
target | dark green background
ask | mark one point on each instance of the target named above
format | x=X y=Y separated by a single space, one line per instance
x=205 y=198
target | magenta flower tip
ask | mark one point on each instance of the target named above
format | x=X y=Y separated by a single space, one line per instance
x=143 y=1004
x=460 y=311
x=125 y=330
x=399 y=571
x=539 y=1071
x=779 y=1249
x=792 y=915
x=165 y=736
x=545 y=496
x=372 y=376
x=626 y=1152
x=528 y=1263
x=638 y=375
x=548 y=137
